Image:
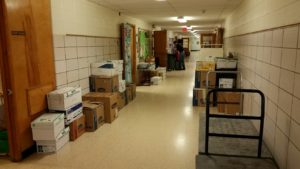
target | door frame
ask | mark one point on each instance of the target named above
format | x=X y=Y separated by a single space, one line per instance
x=14 y=154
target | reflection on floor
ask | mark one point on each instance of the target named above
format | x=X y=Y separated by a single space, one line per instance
x=158 y=130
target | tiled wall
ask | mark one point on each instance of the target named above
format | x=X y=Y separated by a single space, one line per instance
x=74 y=54
x=270 y=61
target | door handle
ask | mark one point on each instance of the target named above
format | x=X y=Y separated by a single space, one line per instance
x=9 y=92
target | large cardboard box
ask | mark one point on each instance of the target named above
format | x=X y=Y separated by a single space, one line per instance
x=205 y=65
x=104 y=69
x=129 y=96
x=122 y=86
x=49 y=146
x=199 y=97
x=94 y=115
x=71 y=113
x=47 y=126
x=133 y=89
x=77 y=128
x=110 y=101
x=104 y=84
x=64 y=98
x=121 y=100
x=233 y=99
x=200 y=79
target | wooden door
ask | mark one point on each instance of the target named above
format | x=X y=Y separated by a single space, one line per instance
x=160 y=47
x=29 y=71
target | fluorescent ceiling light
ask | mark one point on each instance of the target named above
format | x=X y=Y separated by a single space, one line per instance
x=181 y=19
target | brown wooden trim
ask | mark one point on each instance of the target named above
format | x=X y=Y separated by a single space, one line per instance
x=14 y=148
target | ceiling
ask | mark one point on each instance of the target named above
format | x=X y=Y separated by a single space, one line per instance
x=202 y=15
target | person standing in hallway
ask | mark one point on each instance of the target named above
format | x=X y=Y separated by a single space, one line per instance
x=181 y=57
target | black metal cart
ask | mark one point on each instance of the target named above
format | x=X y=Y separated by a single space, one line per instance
x=215 y=160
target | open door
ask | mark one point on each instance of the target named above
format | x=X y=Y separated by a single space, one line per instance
x=27 y=66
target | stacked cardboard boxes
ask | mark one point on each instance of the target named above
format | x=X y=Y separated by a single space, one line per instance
x=229 y=102
x=94 y=115
x=68 y=101
x=49 y=132
x=110 y=102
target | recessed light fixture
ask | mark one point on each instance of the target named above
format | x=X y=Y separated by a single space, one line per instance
x=160 y=0
x=181 y=19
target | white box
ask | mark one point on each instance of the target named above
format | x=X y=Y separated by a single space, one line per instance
x=226 y=83
x=71 y=114
x=226 y=64
x=64 y=98
x=49 y=146
x=163 y=71
x=47 y=126
x=104 y=72
x=122 y=86
x=156 y=80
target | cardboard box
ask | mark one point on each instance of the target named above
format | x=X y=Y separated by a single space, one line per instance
x=49 y=146
x=94 y=115
x=199 y=97
x=47 y=126
x=71 y=114
x=162 y=72
x=129 y=92
x=153 y=73
x=226 y=83
x=205 y=65
x=77 y=128
x=64 y=98
x=232 y=98
x=156 y=80
x=200 y=79
x=104 y=69
x=121 y=100
x=133 y=89
x=110 y=101
x=104 y=84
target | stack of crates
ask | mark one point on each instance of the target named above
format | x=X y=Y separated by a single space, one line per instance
x=200 y=89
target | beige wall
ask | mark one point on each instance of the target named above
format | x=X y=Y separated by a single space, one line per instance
x=256 y=15
x=87 y=18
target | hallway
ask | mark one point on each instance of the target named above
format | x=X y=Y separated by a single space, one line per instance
x=158 y=130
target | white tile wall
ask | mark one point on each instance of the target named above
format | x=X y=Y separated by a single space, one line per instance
x=277 y=38
x=297 y=86
x=295 y=136
x=274 y=74
x=283 y=122
x=72 y=64
x=81 y=41
x=72 y=76
x=61 y=78
x=281 y=149
x=288 y=60
x=268 y=38
x=285 y=101
x=60 y=66
x=83 y=73
x=276 y=56
x=82 y=52
x=272 y=110
x=290 y=37
x=296 y=110
x=70 y=41
x=287 y=80
x=277 y=74
x=293 y=157
x=298 y=61
x=73 y=55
